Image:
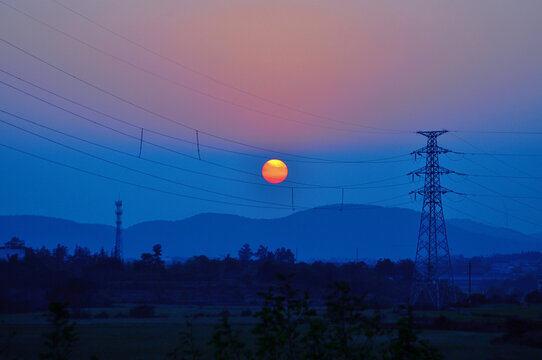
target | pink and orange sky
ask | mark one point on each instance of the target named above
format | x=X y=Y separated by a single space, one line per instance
x=399 y=65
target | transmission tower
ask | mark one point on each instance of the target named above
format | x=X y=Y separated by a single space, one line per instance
x=117 y=253
x=433 y=282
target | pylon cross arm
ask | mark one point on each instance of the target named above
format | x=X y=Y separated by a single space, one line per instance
x=430 y=150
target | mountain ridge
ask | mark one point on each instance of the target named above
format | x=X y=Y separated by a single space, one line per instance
x=320 y=233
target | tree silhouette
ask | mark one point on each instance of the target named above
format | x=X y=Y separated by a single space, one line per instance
x=151 y=261
x=406 y=345
x=15 y=243
x=245 y=253
x=60 y=341
x=186 y=348
x=283 y=255
x=226 y=342
x=157 y=256
x=349 y=323
x=278 y=332
x=263 y=254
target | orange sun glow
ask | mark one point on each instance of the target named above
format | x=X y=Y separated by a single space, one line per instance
x=275 y=171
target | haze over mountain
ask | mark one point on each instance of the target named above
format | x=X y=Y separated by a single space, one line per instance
x=320 y=233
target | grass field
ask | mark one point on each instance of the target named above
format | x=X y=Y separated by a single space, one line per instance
x=127 y=338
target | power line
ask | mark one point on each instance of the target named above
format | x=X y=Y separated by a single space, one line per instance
x=469 y=216
x=143 y=172
x=216 y=80
x=203 y=93
x=122 y=121
x=504 y=212
x=138 y=139
x=131 y=183
x=489 y=154
x=510 y=178
x=142 y=108
x=145 y=141
x=384 y=160
x=175 y=82
x=507 y=176
x=501 y=154
x=501 y=161
x=508 y=132
x=139 y=171
x=363 y=206
x=357 y=187
x=151 y=112
x=132 y=155
x=506 y=196
x=145 y=187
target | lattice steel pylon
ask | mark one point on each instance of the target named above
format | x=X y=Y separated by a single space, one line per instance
x=117 y=252
x=433 y=282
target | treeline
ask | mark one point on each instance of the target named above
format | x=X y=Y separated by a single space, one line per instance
x=86 y=279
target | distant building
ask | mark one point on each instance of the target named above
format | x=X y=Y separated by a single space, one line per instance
x=14 y=247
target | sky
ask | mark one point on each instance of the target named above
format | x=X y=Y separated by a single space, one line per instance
x=302 y=81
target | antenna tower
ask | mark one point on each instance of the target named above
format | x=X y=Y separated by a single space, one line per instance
x=117 y=253
x=433 y=282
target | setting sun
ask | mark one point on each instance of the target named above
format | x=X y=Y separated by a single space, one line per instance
x=275 y=171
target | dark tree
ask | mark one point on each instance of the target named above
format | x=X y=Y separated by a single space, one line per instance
x=278 y=331
x=384 y=268
x=263 y=254
x=404 y=270
x=245 y=253
x=348 y=323
x=186 y=348
x=285 y=256
x=60 y=253
x=157 y=256
x=407 y=346
x=226 y=342
x=151 y=261
x=15 y=243
x=60 y=341
x=315 y=341
x=81 y=253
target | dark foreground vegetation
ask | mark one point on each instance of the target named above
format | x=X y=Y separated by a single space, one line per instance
x=285 y=327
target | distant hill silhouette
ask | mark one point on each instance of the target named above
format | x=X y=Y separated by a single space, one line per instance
x=320 y=233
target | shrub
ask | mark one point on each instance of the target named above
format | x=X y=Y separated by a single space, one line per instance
x=60 y=341
x=407 y=346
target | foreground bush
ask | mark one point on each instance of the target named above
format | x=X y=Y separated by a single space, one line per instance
x=288 y=327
